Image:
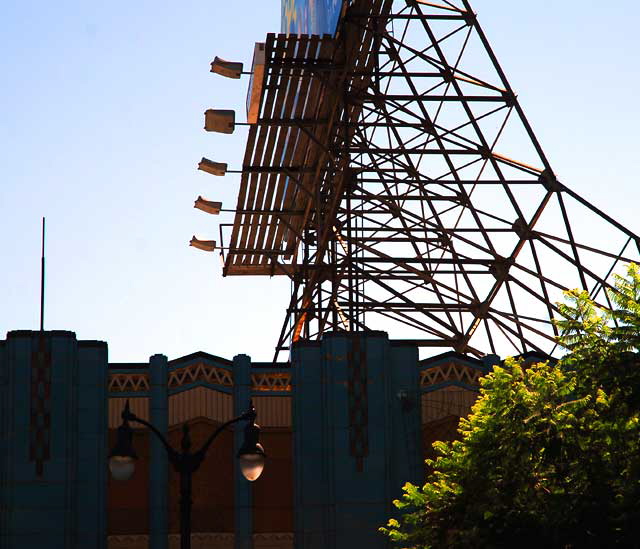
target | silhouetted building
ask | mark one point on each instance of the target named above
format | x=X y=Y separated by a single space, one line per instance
x=345 y=424
x=53 y=419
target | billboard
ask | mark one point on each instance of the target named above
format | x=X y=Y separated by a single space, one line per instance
x=310 y=16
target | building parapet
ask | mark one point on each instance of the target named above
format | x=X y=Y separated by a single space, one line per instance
x=199 y=370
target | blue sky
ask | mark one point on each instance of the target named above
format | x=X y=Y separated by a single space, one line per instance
x=101 y=131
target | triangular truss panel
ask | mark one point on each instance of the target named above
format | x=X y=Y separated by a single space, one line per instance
x=394 y=177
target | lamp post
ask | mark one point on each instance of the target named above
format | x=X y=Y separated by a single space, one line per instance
x=122 y=458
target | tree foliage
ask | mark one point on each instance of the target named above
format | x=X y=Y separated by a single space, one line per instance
x=550 y=455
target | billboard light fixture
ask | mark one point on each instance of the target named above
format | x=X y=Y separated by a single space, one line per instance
x=208 y=206
x=214 y=168
x=228 y=69
x=204 y=245
x=220 y=121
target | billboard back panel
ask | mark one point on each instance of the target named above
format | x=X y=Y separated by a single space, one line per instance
x=310 y=16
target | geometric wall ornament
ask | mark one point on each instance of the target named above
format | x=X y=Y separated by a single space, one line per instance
x=200 y=371
x=358 y=402
x=204 y=540
x=138 y=382
x=40 y=412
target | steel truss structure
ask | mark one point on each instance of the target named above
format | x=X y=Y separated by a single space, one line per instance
x=394 y=177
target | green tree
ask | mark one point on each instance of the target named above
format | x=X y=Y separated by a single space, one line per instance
x=550 y=455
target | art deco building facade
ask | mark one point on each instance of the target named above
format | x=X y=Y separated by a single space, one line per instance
x=344 y=425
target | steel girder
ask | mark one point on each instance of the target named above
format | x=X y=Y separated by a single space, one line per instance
x=433 y=212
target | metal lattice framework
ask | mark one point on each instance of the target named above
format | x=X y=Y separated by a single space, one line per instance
x=394 y=177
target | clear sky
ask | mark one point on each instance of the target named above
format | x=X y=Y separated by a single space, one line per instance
x=101 y=130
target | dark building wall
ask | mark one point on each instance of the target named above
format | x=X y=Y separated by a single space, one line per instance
x=206 y=391
x=128 y=502
x=356 y=425
x=53 y=441
x=213 y=498
x=213 y=491
x=364 y=413
x=273 y=491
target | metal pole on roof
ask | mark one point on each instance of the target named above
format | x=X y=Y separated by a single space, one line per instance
x=42 y=280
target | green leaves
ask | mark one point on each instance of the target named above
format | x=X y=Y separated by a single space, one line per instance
x=593 y=330
x=550 y=455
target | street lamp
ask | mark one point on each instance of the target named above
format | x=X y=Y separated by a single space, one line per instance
x=251 y=455
x=122 y=458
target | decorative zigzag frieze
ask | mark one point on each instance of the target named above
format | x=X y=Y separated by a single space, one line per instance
x=273 y=541
x=271 y=381
x=450 y=371
x=129 y=382
x=200 y=371
x=138 y=382
x=128 y=542
x=204 y=540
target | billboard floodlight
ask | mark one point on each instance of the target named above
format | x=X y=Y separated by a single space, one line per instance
x=204 y=245
x=229 y=69
x=214 y=168
x=221 y=121
x=208 y=206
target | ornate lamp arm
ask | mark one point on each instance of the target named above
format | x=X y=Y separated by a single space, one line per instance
x=130 y=416
x=248 y=415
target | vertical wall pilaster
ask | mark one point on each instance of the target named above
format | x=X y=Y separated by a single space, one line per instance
x=404 y=452
x=53 y=441
x=356 y=429
x=5 y=456
x=92 y=410
x=19 y=471
x=311 y=448
x=64 y=428
x=158 y=466
x=243 y=500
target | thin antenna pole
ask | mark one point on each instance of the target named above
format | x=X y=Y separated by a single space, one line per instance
x=42 y=281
